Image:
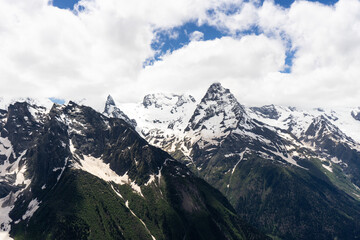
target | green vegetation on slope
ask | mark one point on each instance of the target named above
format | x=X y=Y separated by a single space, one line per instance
x=82 y=206
x=292 y=203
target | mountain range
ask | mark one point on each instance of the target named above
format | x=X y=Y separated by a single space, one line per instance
x=292 y=173
x=172 y=167
x=70 y=172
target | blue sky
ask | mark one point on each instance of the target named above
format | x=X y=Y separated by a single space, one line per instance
x=57 y=100
x=286 y=3
x=65 y=3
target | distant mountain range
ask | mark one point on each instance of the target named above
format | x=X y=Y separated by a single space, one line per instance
x=293 y=173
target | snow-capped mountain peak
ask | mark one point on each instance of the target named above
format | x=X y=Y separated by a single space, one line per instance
x=111 y=110
x=218 y=110
x=161 y=117
x=109 y=103
x=166 y=112
x=217 y=93
x=321 y=129
x=297 y=120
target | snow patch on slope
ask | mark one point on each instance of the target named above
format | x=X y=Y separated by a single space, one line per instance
x=5 y=147
x=5 y=220
x=287 y=158
x=241 y=156
x=153 y=178
x=5 y=236
x=6 y=205
x=127 y=205
x=117 y=193
x=98 y=168
x=13 y=173
x=32 y=207
x=7 y=168
x=329 y=168
x=62 y=169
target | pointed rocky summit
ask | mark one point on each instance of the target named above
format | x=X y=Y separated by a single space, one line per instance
x=111 y=110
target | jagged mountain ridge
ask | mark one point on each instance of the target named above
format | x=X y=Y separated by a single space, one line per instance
x=218 y=114
x=222 y=119
x=223 y=141
x=74 y=173
x=298 y=120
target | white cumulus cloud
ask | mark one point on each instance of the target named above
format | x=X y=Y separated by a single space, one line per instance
x=237 y=63
x=52 y=52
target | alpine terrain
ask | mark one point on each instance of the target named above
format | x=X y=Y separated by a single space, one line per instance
x=70 y=172
x=293 y=173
